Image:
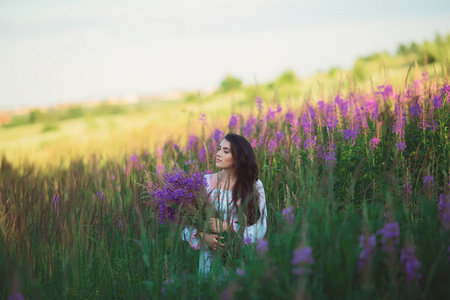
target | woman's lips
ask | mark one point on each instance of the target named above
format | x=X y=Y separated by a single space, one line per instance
x=218 y=160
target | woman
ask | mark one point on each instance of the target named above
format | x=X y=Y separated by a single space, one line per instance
x=238 y=180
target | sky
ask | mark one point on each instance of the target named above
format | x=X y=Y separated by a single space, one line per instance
x=62 y=51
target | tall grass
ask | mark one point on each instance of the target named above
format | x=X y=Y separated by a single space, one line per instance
x=348 y=166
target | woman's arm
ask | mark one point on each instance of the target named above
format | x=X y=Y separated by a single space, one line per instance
x=258 y=230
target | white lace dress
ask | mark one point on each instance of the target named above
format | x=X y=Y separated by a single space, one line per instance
x=220 y=199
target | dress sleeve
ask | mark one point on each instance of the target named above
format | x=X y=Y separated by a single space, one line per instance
x=189 y=234
x=258 y=230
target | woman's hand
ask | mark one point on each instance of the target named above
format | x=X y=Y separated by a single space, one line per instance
x=217 y=226
x=212 y=241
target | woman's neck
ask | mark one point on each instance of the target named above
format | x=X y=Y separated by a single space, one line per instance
x=226 y=179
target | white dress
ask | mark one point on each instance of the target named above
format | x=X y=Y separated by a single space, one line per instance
x=220 y=199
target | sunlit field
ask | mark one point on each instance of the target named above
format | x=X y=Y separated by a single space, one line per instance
x=356 y=177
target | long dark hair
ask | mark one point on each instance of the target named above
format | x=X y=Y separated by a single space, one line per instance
x=246 y=172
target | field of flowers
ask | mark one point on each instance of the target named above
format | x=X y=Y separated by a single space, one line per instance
x=357 y=188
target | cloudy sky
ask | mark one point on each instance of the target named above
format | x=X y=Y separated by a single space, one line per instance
x=66 y=51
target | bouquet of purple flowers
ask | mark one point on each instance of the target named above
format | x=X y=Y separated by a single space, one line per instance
x=180 y=197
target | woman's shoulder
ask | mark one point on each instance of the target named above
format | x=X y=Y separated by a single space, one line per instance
x=259 y=184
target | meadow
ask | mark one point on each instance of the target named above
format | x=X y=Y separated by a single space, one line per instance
x=356 y=180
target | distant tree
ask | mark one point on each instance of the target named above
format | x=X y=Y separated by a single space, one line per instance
x=230 y=83
x=35 y=116
x=402 y=50
x=414 y=48
x=287 y=77
x=359 y=69
x=74 y=112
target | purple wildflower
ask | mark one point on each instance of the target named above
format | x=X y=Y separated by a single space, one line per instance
x=100 y=195
x=240 y=272
x=202 y=119
x=55 y=202
x=287 y=214
x=407 y=188
x=302 y=258
x=410 y=264
x=390 y=235
x=289 y=117
x=385 y=91
x=308 y=130
x=179 y=187
x=312 y=112
x=428 y=181
x=444 y=211
x=16 y=296
x=372 y=107
x=233 y=121
x=368 y=245
x=272 y=147
x=262 y=247
x=176 y=147
x=248 y=240
x=415 y=110
x=448 y=250
x=218 y=135
x=445 y=91
x=270 y=115
x=202 y=155
x=113 y=177
x=330 y=116
x=279 y=137
x=253 y=143
x=349 y=134
x=437 y=101
x=249 y=126
x=192 y=144
x=119 y=224
x=134 y=159
x=259 y=103
x=165 y=283
x=343 y=105
x=374 y=143
x=433 y=126
x=330 y=157
x=401 y=146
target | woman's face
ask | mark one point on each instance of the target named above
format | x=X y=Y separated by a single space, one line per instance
x=224 y=158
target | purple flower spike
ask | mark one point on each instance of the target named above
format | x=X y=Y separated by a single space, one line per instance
x=259 y=103
x=444 y=211
x=428 y=181
x=55 y=202
x=287 y=214
x=100 y=195
x=192 y=144
x=374 y=143
x=233 y=121
x=368 y=245
x=202 y=155
x=303 y=259
x=16 y=296
x=272 y=147
x=410 y=264
x=240 y=272
x=390 y=234
x=262 y=247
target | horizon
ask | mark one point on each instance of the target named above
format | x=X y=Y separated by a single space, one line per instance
x=83 y=51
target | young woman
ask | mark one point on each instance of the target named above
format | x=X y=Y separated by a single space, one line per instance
x=234 y=191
